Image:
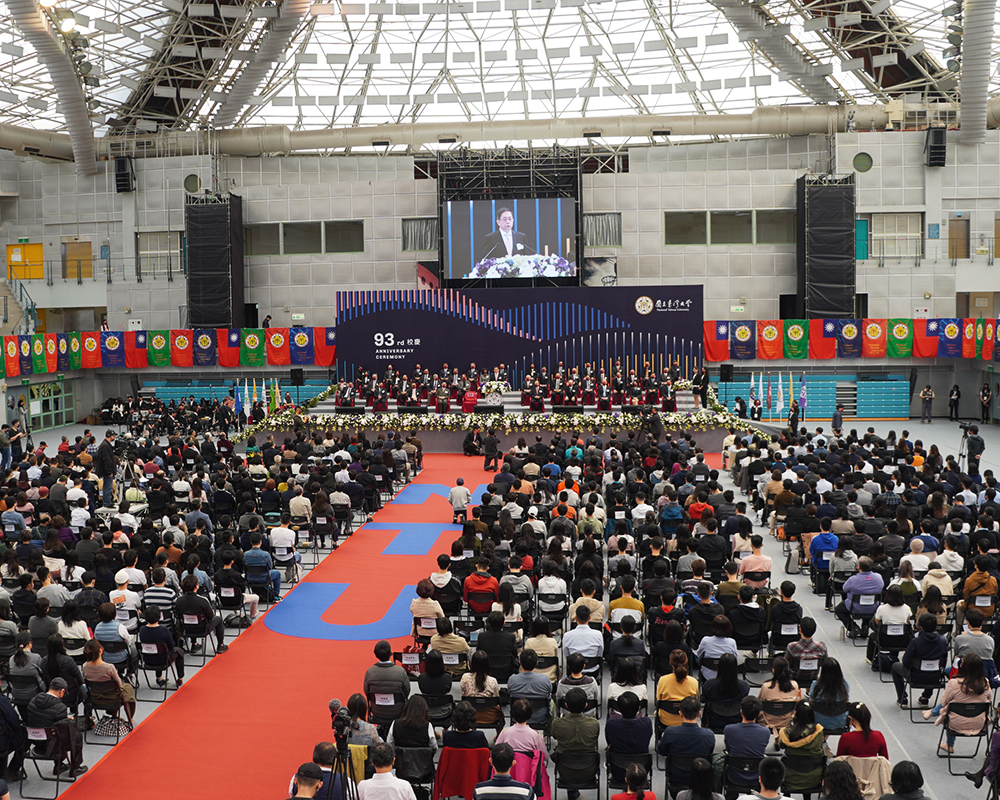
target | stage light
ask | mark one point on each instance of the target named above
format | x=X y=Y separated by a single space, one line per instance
x=954 y=65
x=67 y=24
x=955 y=39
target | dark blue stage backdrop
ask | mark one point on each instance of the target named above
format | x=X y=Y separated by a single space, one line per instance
x=520 y=327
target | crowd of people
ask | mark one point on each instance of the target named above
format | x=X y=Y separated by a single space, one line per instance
x=591 y=565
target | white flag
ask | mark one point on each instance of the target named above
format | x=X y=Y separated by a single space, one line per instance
x=781 y=398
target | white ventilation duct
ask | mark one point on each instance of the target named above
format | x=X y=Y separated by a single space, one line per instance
x=763 y=121
x=977 y=45
x=280 y=30
x=36 y=29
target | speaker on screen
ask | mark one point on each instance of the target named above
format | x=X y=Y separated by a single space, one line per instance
x=725 y=373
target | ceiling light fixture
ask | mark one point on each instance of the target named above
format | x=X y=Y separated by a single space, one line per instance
x=67 y=24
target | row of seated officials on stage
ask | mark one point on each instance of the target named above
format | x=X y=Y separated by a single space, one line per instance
x=586 y=385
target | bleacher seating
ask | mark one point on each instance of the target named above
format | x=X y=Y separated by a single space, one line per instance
x=217 y=389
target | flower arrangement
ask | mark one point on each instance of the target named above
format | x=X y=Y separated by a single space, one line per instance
x=494 y=387
x=312 y=402
x=527 y=266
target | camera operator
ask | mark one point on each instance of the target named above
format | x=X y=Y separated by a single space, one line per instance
x=975 y=447
x=324 y=755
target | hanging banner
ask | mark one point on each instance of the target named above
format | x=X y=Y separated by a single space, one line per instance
x=252 y=347
x=112 y=349
x=181 y=347
x=873 y=338
x=51 y=352
x=899 y=338
x=277 y=346
x=38 y=363
x=769 y=338
x=716 y=340
x=795 y=343
x=204 y=347
x=325 y=342
x=822 y=338
x=135 y=350
x=301 y=341
x=12 y=361
x=227 y=342
x=743 y=340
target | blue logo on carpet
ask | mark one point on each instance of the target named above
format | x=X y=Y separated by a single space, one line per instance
x=417 y=494
x=300 y=615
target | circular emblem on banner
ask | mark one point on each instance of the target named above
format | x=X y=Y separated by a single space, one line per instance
x=770 y=333
x=277 y=339
x=12 y=349
x=989 y=331
x=979 y=330
x=90 y=345
x=644 y=305
x=112 y=342
x=743 y=333
x=204 y=341
x=253 y=341
x=900 y=331
x=25 y=349
x=951 y=330
x=873 y=330
x=38 y=347
x=795 y=332
x=62 y=346
x=74 y=344
x=50 y=346
x=159 y=342
x=970 y=331
x=181 y=342
x=301 y=339
x=850 y=331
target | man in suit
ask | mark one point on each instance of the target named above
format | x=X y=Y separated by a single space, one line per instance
x=504 y=241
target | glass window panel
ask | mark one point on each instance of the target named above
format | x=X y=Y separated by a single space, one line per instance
x=685 y=227
x=303 y=237
x=263 y=240
x=732 y=227
x=345 y=237
x=776 y=227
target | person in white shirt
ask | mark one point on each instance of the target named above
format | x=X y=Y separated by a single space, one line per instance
x=282 y=540
x=76 y=494
x=126 y=601
x=384 y=785
x=916 y=556
x=583 y=639
x=950 y=560
x=641 y=508
x=79 y=516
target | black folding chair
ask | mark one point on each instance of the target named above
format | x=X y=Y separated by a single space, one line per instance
x=617 y=763
x=926 y=675
x=739 y=775
x=416 y=765
x=106 y=696
x=484 y=704
x=577 y=771
x=44 y=745
x=803 y=765
x=966 y=711
x=890 y=640
x=153 y=657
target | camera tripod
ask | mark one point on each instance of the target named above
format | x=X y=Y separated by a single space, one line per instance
x=343 y=765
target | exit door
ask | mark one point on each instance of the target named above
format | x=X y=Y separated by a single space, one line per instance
x=958 y=238
x=861 y=239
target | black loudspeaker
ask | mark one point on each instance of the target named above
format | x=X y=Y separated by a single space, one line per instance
x=725 y=373
x=214 y=229
x=296 y=377
x=825 y=256
x=136 y=385
x=489 y=409
x=935 y=148
x=567 y=409
x=124 y=174
x=913 y=381
x=411 y=409
x=356 y=411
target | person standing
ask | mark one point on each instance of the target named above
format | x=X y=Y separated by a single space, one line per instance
x=975 y=447
x=837 y=423
x=105 y=468
x=953 y=397
x=985 y=397
x=926 y=401
x=793 y=416
x=267 y=321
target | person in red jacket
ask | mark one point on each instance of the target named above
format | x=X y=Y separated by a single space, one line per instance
x=481 y=581
x=861 y=741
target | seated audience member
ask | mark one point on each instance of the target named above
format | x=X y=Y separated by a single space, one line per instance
x=676 y=685
x=502 y=786
x=462 y=733
x=861 y=741
x=927 y=645
x=413 y=728
x=747 y=738
x=806 y=647
x=803 y=736
x=575 y=732
x=829 y=694
x=384 y=784
x=701 y=782
x=627 y=731
x=781 y=688
x=726 y=686
x=532 y=686
x=771 y=776
x=907 y=782
x=520 y=735
x=577 y=679
x=688 y=738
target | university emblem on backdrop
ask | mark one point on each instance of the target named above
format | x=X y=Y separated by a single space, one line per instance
x=25 y=348
x=795 y=333
x=900 y=331
x=770 y=333
x=873 y=330
x=182 y=342
x=301 y=339
x=112 y=342
x=851 y=331
x=38 y=348
x=204 y=341
x=91 y=345
x=277 y=339
x=252 y=341
x=743 y=333
x=951 y=330
x=644 y=305
x=159 y=342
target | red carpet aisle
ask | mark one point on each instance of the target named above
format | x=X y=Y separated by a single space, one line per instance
x=242 y=725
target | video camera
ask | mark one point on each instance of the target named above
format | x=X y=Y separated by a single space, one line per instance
x=340 y=721
x=964 y=426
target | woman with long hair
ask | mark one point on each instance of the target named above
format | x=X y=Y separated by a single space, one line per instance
x=10 y=568
x=413 y=728
x=968 y=686
x=26 y=664
x=932 y=602
x=829 y=693
x=725 y=686
x=479 y=683
x=905 y=580
x=717 y=644
x=675 y=686
x=803 y=736
x=780 y=689
x=70 y=626
x=361 y=731
x=701 y=782
x=435 y=679
x=58 y=664
x=509 y=606
x=861 y=741
x=840 y=782
x=544 y=646
x=627 y=679
x=97 y=670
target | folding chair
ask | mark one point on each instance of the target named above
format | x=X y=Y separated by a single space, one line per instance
x=153 y=657
x=803 y=765
x=683 y=763
x=926 y=674
x=416 y=765
x=577 y=771
x=484 y=704
x=384 y=708
x=967 y=711
x=195 y=627
x=111 y=724
x=48 y=741
x=757 y=665
x=783 y=635
x=890 y=640
x=804 y=670
x=618 y=763
x=232 y=599
x=739 y=775
x=424 y=628
x=440 y=708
